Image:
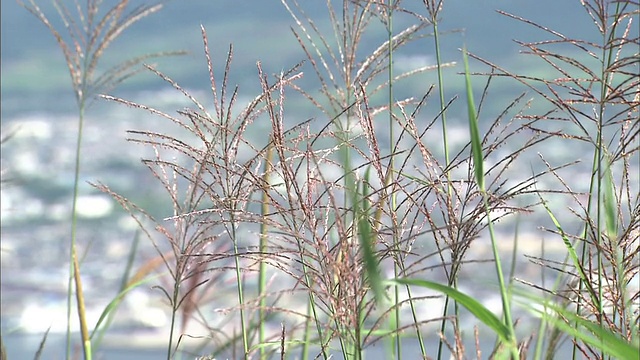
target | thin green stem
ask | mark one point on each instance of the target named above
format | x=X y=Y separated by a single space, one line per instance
x=306 y=335
x=262 y=281
x=605 y=75
x=74 y=271
x=397 y=260
x=506 y=308
x=596 y=174
x=174 y=311
x=239 y=284
x=443 y=111
x=312 y=304
x=453 y=275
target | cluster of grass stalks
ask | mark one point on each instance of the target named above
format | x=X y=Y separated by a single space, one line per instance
x=344 y=228
x=88 y=33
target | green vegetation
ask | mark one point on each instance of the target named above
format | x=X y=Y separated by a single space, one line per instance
x=333 y=228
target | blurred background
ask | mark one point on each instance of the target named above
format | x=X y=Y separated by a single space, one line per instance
x=39 y=110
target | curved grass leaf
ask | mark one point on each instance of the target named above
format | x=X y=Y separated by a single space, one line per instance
x=113 y=304
x=367 y=238
x=476 y=308
x=578 y=327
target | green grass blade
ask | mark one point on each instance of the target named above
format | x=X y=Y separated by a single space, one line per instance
x=476 y=149
x=113 y=304
x=573 y=325
x=572 y=252
x=476 y=308
x=97 y=341
x=367 y=240
x=610 y=202
x=476 y=143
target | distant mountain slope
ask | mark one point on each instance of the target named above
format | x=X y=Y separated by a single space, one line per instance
x=33 y=67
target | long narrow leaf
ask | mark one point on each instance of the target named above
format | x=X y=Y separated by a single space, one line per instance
x=572 y=251
x=476 y=144
x=596 y=335
x=476 y=308
x=367 y=239
x=113 y=304
x=609 y=202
